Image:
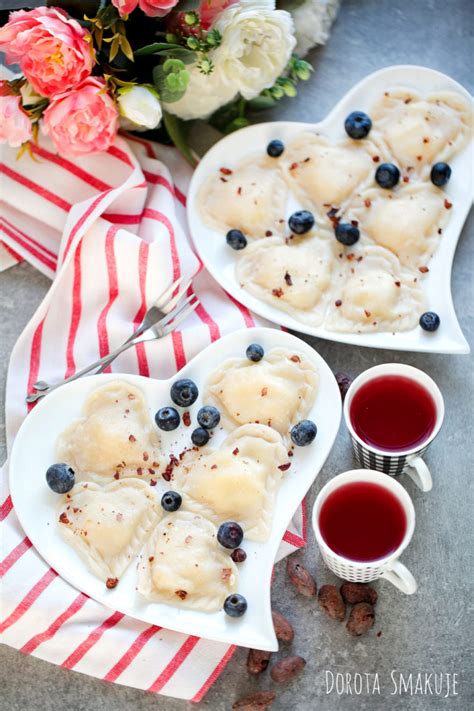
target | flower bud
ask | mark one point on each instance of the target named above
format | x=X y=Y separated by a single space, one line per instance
x=140 y=106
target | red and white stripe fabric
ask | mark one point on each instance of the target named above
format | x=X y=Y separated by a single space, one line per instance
x=110 y=231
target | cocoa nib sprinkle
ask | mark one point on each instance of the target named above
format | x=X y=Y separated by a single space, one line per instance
x=284 y=467
x=367 y=202
x=182 y=594
x=376 y=159
x=423 y=270
x=174 y=462
x=132 y=438
x=268 y=233
x=288 y=279
x=111 y=583
x=277 y=292
x=264 y=392
x=63 y=518
x=338 y=303
x=332 y=215
x=225 y=171
x=235 y=451
x=448 y=205
x=295 y=359
x=186 y=419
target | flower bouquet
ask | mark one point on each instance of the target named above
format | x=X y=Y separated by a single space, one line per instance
x=89 y=69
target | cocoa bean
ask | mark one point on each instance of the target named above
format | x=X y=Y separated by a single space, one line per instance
x=257 y=661
x=286 y=669
x=283 y=629
x=259 y=701
x=301 y=577
x=358 y=592
x=330 y=600
x=361 y=619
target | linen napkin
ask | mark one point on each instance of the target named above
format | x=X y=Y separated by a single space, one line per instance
x=110 y=231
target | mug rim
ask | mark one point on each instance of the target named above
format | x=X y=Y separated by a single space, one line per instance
x=372 y=477
x=395 y=369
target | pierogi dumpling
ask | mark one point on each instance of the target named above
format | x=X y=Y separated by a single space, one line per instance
x=324 y=174
x=236 y=482
x=252 y=198
x=292 y=276
x=108 y=525
x=419 y=131
x=374 y=294
x=115 y=438
x=184 y=565
x=407 y=221
x=278 y=391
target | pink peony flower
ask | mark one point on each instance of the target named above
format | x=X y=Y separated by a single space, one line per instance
x=209 y=9
x=54 y=52
x=152 y=8
x=15 y=126
x=83 y=120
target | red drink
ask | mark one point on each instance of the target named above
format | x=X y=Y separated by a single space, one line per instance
x=362 y=521
x=393 y=413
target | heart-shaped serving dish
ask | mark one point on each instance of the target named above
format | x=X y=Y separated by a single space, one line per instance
x=37 y=507
x=251 y=141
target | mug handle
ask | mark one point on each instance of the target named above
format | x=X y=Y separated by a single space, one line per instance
x=420 y=474
x=401 y=577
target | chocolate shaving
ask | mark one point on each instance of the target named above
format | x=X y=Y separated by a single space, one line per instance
x=288 y=279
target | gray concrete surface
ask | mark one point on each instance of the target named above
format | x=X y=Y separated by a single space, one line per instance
x=428 y=632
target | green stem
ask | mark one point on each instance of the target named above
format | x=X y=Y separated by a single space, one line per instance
x=176 y=132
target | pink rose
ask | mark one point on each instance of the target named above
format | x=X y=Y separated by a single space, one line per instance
x=209 y=9
x=152 y=8
x=15 y=126
x=83 y=120
x=54 y=52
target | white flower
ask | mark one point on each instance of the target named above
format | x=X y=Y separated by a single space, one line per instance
x=205 y=93
x=313 y=20
x=257 y=42
x=139 y=106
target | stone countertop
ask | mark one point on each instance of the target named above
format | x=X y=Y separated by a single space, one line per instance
x=427 y=632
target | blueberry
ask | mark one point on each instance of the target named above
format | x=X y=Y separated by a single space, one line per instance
x=303 y=433
x=255 y=352
x=171 y=501
x=238 y=555
x=275 y=148
x=346 y=233
x=387 y=175
x=235 y=605
x=167 y=419
x=200 y=437
x=236 y=239
x=440 y=174
x=301 y=222
x=60 y=478
x=429 y=321
x=344 y=381
x=357 y=124
x=230 y=534
x=208 y=417
x=184 y=392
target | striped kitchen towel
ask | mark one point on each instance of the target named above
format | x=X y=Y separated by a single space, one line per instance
x=110 y=231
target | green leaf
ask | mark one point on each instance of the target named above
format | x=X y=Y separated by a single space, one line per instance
x=261 y=103
x=154 y=48
x=177 y=132
x=239 y=122
x=187 y=56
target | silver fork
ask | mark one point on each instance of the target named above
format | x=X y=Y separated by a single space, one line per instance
x=161 y=327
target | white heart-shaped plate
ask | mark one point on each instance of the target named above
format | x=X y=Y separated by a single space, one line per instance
x=37 y=506
x=219 y=259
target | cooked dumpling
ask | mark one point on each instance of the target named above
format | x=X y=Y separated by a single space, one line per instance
x=292 y=276
x=114 y=439
x=184 y=565
x=374 y=294
x=238 y=481
x=252 y=198
x=278 y=391
x=408 y=221
x=108 y=525
x=325 y=174
x=420 y=131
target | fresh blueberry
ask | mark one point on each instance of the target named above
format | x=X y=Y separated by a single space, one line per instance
x=60 y=478
x=230 y=534
x=303 y=433
x=236 y=239
x=200 y=437
x=275 y=148
x=238 y=555
x=440 y=174
x=167 y=419
x=235 y=605
x=255 y=352
x=346 y=233
x=429 y=321
x=184 y=392
x=208 y=417
x=171 y=501
x=301 y=222
x=387 y=175
x=357 y=124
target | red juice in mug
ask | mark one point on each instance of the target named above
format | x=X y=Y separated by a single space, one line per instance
x=393 y=413
x=362 y=521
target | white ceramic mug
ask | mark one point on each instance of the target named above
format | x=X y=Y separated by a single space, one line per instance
x=389 y=567
x=407 y=461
